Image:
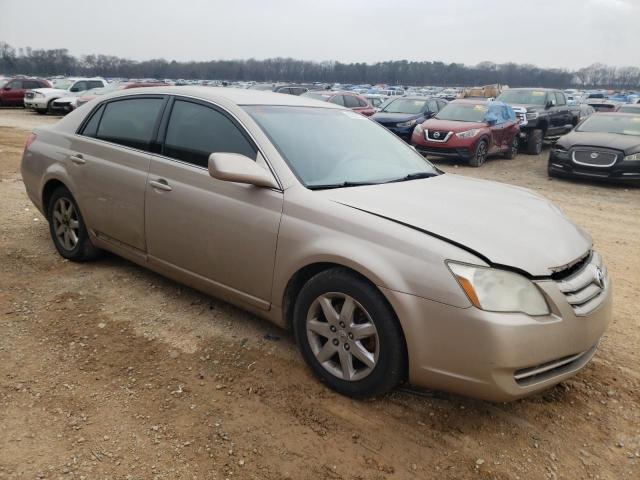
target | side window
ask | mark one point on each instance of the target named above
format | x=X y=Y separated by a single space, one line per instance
x=196 y=131
x=363 y=103
x=91 y=127
x=16 y=85
x=432 y=106
x=560 y=99
x=337 y=99
x=298 y=90
x=94 y=84
x=441 y=104
x=351 y=102
x=79 y=87
x=130 y=122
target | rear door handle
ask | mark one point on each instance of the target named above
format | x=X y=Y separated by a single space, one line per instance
x=77 y=159
x=161 y=184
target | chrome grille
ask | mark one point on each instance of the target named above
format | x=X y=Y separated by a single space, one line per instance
x=437 y=135
x=583 y=289
x=594 y=158
x=521 y=115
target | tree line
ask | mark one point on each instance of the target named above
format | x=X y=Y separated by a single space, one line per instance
x=48 y=62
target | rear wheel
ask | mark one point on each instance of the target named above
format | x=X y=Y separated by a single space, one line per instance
x=349 y=335
x=534 y=142
x=50 y=107
x=512 y=151
x=480 y=155
x=68 y=231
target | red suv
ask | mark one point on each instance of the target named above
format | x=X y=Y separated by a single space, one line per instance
x=12 y=89
x=469 y=129
x=350 y=100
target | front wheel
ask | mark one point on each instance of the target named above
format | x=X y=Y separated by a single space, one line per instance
x=534 y=142
x=67 y=227
x=349 y=335
x=480 y=155
x=512 y=151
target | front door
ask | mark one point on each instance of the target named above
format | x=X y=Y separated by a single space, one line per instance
x=220 y=232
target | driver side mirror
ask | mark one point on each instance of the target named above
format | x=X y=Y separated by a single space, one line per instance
x=233 y=167
x=550 y=103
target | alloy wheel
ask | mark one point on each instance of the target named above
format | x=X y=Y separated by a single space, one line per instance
x=481 y=153
x=66 y=224
x=342 y=336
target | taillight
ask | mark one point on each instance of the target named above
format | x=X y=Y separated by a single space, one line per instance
x=30 y=139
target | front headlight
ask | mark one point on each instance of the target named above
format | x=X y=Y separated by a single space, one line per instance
x=418 y=129
x=410 y=123
x=560 y=152
x=38 y=94
x=468 y=133
x=632 y=158
x=532 y=115
x=497 y=290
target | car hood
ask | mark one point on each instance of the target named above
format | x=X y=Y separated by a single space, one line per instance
x=627 y=143
x=506 y=225
x=384 y=117
x=451 y=125
x=51 y=91
x=527 y=107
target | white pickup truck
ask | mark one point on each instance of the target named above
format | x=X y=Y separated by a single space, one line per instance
x=41 y=99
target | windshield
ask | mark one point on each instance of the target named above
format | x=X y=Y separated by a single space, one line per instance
x=62 y=84
x=331 y=147
x=622 y=124
x=524 y=97
x=463 y=112
x=405 y=105
x=630 y=109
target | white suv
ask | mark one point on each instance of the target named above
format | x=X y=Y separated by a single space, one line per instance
x=41 y=99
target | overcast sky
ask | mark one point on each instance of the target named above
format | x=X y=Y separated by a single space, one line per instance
x=548 y=33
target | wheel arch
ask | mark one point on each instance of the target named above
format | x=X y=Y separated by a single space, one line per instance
x=304 y=274
x=49 y=187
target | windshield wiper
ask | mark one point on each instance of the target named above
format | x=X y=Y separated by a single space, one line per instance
x=413 y=176
x=340 y=185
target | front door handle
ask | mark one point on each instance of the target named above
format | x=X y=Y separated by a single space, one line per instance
x=77 y=159
x=161 y=184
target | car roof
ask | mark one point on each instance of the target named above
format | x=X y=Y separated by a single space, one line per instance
x=239 y=96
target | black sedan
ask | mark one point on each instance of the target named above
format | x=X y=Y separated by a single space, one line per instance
x=402 y=114
x=604 y=146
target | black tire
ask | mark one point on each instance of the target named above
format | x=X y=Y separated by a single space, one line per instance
x=480 y=155
x=389 y=368
x=83 y=250
x=534 y=142
x=512 y=151
x=50 y=107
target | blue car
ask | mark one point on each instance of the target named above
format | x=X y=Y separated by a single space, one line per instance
x=402 y=114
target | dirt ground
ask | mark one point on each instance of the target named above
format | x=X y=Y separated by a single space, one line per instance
x=108 y=371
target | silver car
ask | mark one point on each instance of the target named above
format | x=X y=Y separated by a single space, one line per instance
x=318 y=219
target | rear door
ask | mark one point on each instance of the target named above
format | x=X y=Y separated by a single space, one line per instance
x=221 y=234
x=109 y=162
x=15 y=95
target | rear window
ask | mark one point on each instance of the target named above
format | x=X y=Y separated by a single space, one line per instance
x=130 y=122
